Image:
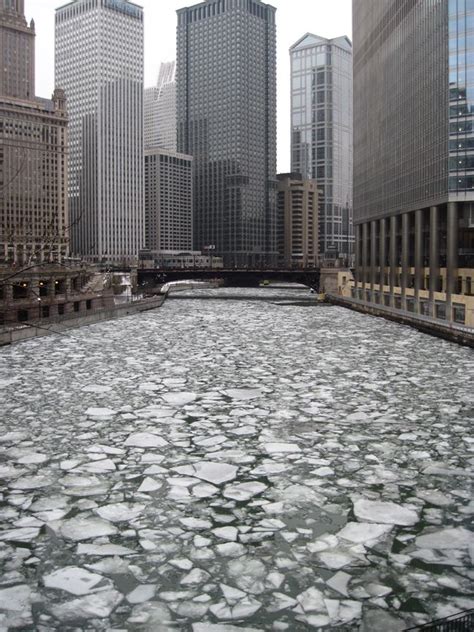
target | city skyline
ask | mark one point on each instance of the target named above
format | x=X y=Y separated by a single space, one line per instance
x=293 y=20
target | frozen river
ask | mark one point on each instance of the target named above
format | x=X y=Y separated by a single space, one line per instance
x=235 y=465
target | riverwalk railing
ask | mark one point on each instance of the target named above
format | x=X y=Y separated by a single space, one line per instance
x=461 y=622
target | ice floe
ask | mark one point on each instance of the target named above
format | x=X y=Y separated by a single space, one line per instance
x=384 y=512
x=76 y=581
x=215 y=473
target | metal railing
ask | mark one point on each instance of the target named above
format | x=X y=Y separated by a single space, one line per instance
x=461 y=622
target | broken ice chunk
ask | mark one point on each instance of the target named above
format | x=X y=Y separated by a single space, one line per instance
x=194 y=577
x=244 y=491
x=216 y=473
x=384 y=512
x=364 y=532
x=450 y=538
x=243 y=393
x=312 y=600
x=97 y=605
x=100 y=412
x=195 y=523
x=75 y=580
x=85 y=528
x=145 y=440
x=272 y=448
x=25 y=534
x=179 y=399
x=141 y=593
x=96 y=388
x=120 y=512
x=149 y=485
x=226 y=533
x=339 y=582
x=15 y=607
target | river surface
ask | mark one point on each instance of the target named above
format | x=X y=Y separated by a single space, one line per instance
x=224 y=465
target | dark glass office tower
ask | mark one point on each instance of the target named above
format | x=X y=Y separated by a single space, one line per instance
x=414 y=156
x=226 y=101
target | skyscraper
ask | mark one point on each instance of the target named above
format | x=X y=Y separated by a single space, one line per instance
x=414 y=160
x=17 y=51
x=33 y=152
x=226 y=77
x=99 y=63
x=321 y=133
x=160 y=110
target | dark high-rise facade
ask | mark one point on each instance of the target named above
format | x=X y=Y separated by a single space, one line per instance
x=226 y=101
x=414 y=156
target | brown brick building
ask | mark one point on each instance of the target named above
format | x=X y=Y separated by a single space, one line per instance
x=297 y=221
x=33 y=152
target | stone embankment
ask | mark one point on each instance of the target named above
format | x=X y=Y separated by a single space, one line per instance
x=35 y=329
x=60 y=324
x=449 y=331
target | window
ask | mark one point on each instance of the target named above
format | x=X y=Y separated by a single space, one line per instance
x=440 y=310
x=22 y=315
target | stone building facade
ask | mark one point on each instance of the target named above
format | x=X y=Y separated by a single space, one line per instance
x=33 y=152
x=168 y=201
x=17 y=51
x=297 y=221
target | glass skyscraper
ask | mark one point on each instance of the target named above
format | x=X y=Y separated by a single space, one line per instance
x=99 y=63
x=321 y=133
x=414 y=156
x=160 y=110
x=226 y=86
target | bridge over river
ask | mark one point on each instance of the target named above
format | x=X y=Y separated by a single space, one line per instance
x=235 y=277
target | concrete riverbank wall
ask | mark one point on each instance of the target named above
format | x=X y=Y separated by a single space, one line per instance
x=449 y=331
x=71 y=321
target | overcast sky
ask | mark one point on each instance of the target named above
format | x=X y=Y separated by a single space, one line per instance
x=328 y=18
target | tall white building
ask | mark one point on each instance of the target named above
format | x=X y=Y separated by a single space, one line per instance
x=168 y=201
x=99 y=63
x=160 y=110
